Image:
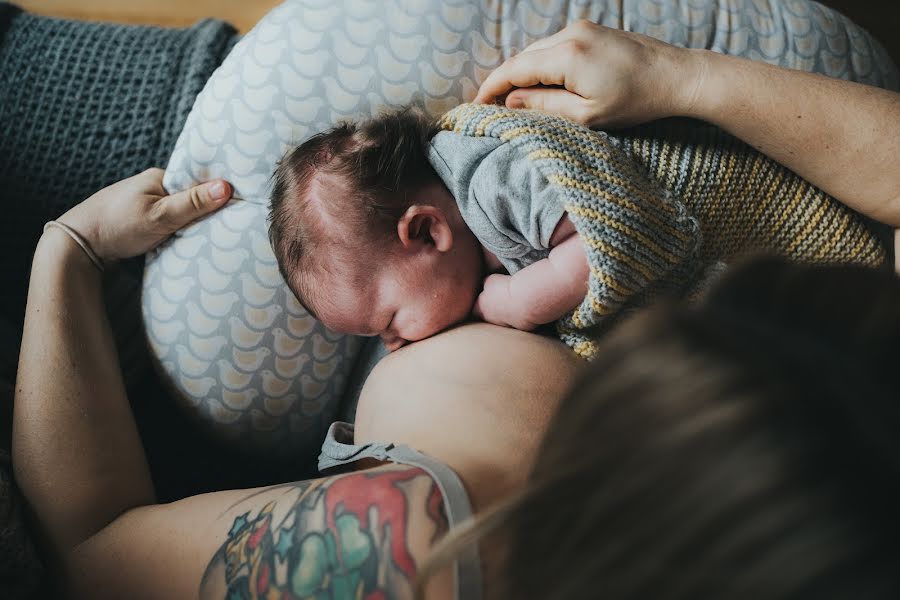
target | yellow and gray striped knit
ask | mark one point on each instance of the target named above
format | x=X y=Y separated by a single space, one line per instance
x=656 y=205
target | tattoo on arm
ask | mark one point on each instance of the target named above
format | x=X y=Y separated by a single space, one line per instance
x=342 y=537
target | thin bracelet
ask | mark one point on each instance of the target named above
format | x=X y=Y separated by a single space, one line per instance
x=78 y=240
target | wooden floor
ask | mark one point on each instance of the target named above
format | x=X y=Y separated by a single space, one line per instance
x=880 y=17
x=171 y=13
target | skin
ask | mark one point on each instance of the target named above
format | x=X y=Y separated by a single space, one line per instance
x=604 y=77
x=542 y=292
x=80 y=464
x=425 y=281
x=430 y=278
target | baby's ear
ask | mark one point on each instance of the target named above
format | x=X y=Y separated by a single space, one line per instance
x=424 y=225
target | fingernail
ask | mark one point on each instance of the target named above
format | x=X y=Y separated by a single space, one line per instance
x=217 y=191
x=515 y=102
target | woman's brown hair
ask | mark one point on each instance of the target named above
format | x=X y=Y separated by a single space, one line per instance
x=748 y=447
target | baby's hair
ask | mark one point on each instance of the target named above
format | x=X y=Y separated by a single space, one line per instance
x=370 y=168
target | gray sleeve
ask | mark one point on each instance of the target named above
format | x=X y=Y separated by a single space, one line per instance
x=509 y=206
x=516 y=197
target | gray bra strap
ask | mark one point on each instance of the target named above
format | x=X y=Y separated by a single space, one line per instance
x=338 y=450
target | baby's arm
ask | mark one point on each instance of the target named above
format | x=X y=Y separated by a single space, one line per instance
x=540 y=293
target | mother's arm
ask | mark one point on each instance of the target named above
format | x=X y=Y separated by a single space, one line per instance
x=478 y=398
x=843 y=137
x=77 y=454
x=80 y=464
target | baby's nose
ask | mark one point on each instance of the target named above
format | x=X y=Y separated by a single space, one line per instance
x=392 y=342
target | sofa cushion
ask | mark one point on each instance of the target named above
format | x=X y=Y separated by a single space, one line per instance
x=246 y=358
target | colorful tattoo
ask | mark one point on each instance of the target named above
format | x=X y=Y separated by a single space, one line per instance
x=344 y=537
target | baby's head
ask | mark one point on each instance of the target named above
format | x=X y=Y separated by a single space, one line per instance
x=368 y=237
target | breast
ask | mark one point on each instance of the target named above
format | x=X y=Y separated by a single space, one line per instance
x=478 y=397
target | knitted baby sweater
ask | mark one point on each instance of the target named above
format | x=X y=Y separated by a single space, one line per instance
x=656 y=205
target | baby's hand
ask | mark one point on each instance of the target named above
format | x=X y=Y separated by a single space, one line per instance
x=496 y=305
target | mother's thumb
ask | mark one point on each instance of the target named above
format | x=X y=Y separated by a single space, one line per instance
x=193 y=203
x=552 y=100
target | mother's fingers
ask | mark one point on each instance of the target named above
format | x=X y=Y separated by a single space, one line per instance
x=552 y=100
x=528 y=69
x=575 y=31
x=179 y=209
x=152 y=181
x=546 y=61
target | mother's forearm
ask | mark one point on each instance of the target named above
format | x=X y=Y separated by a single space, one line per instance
x=843 y=137
x=77 y=454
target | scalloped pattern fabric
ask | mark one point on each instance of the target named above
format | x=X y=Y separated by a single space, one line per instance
x=245 y=356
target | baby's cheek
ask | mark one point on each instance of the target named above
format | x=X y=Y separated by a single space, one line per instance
x=436 y=317
x=436 y=320
x=458 y=308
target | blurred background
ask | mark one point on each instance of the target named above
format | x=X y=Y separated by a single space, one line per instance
x=879 y=17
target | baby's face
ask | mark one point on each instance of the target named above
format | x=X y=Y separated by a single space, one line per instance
x=408 y=298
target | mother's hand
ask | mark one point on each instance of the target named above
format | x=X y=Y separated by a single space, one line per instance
x=840 y=136
x=135 y=215
x=598 y=76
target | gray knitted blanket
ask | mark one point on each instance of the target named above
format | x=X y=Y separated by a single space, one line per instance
x=82 y=105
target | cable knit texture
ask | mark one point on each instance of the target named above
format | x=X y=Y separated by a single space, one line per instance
x=655 y=206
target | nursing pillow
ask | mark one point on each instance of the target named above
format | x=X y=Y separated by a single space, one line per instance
x=241 y=353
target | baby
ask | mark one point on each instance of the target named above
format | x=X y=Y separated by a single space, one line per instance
x=388 y=227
